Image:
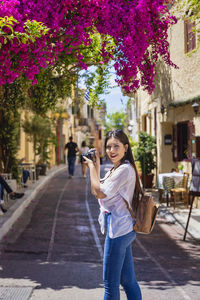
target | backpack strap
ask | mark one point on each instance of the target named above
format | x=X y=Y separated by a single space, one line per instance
x=130 y=210
x=138 y=192
x=138 y=181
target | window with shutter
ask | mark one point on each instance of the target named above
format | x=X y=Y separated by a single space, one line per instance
x=92 y=113
x=144 y=123
x=191 y=140
x=197 y=146
x=174 y=143
x=190 y=36
x=182 y=140
x=155 y=121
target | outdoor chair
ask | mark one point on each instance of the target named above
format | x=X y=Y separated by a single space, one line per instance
x=6 y=176
x=181 y=193
x=168 y=184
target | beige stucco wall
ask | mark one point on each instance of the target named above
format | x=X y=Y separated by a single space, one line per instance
x=185 y=80
x=25 y=147
x=172 y=86
x=164 y=151
x=180 y=113
x=197 y=125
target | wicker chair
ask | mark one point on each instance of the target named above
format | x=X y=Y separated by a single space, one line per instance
x=181 y=193
x=168 y=184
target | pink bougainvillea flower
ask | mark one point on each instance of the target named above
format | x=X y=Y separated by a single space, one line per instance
x=138 y=28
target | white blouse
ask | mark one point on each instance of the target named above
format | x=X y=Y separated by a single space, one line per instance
x=84 y=150
x=119 y=185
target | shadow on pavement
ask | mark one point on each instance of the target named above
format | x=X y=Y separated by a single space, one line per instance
x=52 y=275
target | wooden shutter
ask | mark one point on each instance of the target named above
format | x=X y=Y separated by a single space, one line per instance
x=197 y=146
x=174 y=144
x=155 y=122
x=191 y=139
x=190 y=36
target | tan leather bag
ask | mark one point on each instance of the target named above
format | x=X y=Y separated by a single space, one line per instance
x=146 y=210
x=145 y=215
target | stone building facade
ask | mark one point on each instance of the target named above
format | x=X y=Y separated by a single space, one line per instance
x=169 y=113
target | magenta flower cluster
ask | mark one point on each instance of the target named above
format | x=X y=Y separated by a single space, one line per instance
x=138 y=28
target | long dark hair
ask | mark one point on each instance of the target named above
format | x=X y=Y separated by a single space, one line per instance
x=123 y=138
x=83 y=144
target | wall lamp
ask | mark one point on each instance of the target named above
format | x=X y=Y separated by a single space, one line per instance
x=195 y=107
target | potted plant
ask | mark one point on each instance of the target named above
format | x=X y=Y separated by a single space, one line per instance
x=45 y=138
x=145 y=153
x=39 y=130
x=180 y=168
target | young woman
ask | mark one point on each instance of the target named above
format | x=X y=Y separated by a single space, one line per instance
x=118 y=184
x=84 y=149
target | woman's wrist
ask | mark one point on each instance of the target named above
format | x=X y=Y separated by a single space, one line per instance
x=91 y=164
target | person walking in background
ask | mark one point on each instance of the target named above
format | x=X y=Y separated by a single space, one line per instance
x=13 y=195
x=25 y=173
x=83 y=150
x=119 y=184
x=71 y=156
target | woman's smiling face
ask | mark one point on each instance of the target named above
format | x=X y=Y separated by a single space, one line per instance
x=115 y=150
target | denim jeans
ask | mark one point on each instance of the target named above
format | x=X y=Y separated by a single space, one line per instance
x=26 y=175
x=4 y=185
x=119 y=267
x=71 y=165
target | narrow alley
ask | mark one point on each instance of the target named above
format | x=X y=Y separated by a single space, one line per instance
x=55 y=250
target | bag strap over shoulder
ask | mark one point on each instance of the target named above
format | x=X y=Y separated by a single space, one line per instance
x=138 y=192
x=130 y=210
x=138 y=181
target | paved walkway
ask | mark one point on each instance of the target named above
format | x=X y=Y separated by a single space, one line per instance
x=56 y=251
x=179 y=216
x=19 y=206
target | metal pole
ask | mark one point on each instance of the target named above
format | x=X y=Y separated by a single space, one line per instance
x=186 y=228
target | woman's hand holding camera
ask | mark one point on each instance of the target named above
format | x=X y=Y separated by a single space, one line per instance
x=92 y=161
x=87 y=161
x=92 y=157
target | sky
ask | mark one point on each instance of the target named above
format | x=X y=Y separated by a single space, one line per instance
x=115 y=101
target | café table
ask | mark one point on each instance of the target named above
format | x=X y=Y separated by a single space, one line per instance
x=166 y=182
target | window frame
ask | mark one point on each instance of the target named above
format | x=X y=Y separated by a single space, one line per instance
x=190 y=138
x=189 y=36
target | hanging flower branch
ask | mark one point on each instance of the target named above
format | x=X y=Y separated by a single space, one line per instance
x=133 y=35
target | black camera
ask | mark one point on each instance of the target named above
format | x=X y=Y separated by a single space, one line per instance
x=90 y=155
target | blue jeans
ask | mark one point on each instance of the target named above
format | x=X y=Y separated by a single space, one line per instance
x=4 y=185
x=119 y=267
x=71 y=165
x=26 y=175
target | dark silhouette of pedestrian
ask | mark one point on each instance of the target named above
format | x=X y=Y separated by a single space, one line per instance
x=71 y=156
